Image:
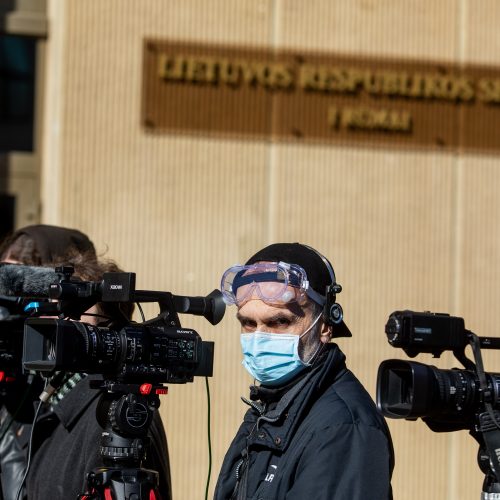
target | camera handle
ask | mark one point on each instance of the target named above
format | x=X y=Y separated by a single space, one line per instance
x=125 y=412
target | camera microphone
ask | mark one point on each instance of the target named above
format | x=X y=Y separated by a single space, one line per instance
x=26 y=281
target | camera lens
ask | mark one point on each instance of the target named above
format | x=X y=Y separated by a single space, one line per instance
x=410 y=390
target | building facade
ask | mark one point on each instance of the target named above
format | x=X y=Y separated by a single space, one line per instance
x=184 y=136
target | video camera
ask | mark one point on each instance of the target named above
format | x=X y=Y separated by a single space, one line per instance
x=134 y=359
x=446 y=400
x=158 y=350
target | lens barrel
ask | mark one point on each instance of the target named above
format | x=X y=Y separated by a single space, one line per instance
x=154 y=353
x=410 y=390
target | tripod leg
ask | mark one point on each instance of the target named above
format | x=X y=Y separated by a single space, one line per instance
x=122 y=484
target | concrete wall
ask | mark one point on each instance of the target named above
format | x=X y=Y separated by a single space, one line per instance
x=404 y=229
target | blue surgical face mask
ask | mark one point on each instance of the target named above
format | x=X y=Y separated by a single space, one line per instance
x=273 y=358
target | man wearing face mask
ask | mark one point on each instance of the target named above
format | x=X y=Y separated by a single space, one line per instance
x=312 y=430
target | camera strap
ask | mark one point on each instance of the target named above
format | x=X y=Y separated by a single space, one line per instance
x=488 y=421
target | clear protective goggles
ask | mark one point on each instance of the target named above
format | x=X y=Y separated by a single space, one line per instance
x=275 y=282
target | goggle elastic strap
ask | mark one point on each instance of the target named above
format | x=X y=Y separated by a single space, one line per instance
x=314 y=295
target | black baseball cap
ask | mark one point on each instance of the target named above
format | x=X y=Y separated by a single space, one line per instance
x=318 y=268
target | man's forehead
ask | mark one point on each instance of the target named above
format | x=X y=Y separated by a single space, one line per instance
x=260 y=307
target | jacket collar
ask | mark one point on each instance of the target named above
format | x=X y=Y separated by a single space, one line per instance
x=276 y=427
x=74 y=404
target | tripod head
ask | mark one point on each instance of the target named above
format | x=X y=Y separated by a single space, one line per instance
x=125 y=412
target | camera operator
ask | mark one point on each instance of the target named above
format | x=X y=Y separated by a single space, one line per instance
x=67 y=436
x=312 y=430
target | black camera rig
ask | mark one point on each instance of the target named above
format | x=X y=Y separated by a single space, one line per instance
x=446 y=400
x=135 y=359
x=159 y=350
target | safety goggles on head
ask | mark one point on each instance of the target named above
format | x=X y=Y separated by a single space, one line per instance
x=269 y=281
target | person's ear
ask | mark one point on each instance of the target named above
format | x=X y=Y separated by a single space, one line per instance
x=326 y=333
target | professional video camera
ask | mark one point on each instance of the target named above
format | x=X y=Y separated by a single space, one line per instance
x=134 y=359
x=446 y=400
x=158 y=350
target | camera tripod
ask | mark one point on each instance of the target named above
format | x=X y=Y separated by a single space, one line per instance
x=125 y=412
x=487 y=434
x=491 y=487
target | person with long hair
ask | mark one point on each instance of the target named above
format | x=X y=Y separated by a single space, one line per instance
x=66 y=436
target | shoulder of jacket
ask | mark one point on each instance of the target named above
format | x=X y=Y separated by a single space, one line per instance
x=346 y=401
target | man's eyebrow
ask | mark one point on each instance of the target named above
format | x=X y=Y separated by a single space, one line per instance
x=282 y=315
x=271 y=319
x=241 y=318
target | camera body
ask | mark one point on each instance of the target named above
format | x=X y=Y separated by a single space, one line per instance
x=417 y=332
x=447 y=400
x=157 y=350
x=133 y=353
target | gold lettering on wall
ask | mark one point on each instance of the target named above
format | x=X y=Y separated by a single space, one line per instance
x=191 y=69
x=252 y=92
x=388 y=120
x=328 y=79
x=489 y=91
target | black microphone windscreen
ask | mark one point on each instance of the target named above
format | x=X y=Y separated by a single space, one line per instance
x=26 y=281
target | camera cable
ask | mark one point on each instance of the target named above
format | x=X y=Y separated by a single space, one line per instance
x=51 y=386
x=30 y=444
x=138 y=304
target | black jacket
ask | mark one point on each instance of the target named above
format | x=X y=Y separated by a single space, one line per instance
x=12 y=455
x=16 y=417
x=66 y=447
x=324 y=439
